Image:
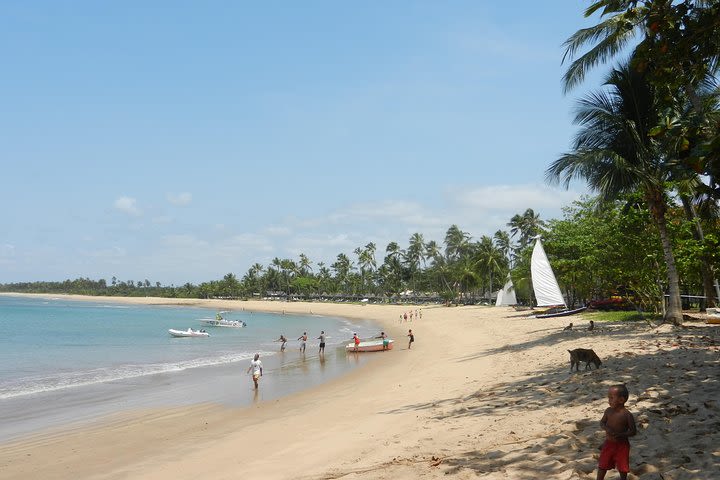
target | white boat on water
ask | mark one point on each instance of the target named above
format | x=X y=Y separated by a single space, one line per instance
x=209 y=322
x=187 y=333
x=219 y=321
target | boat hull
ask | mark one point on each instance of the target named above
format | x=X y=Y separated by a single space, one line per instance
x=185 y=333
x=563 y=313
x=369 y=346
x=223 y=323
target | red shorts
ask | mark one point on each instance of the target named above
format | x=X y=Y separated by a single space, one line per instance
x=615 y=455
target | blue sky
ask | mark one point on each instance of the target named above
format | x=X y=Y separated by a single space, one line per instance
x=180 y=141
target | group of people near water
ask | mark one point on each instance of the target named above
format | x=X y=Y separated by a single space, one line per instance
x=409 y=315
x=303 y=342
x=256 y=365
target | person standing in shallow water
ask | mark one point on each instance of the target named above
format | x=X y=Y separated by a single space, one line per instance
x=283 y=340
x=322 y=342
x=303 y=341
x=257 y=371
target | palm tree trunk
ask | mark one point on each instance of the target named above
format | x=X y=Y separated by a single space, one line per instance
x=706 y=268
x=674 y=308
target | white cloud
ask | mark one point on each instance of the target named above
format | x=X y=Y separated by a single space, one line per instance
x=127 y=205
x=180 y=199
x=514 y=198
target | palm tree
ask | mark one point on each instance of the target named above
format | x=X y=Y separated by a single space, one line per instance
x=456 y=242
x=677 y=44
x=504 y=244
x=414 y=255
x=252 y=278
x=490 y=260
x=614 y=153
x=304 y=265
x=432 y=250
x=366 y=262
x=525 y=226
x=342 y=266
x=689 y=26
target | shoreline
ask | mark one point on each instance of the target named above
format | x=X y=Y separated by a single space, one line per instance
x=484 y=393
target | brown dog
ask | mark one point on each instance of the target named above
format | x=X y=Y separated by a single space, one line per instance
x=583 y=355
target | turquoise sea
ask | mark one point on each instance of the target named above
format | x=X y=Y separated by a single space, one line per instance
x=64 y=361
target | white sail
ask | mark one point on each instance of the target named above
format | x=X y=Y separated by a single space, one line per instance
x=547 y=291
x=506 y=296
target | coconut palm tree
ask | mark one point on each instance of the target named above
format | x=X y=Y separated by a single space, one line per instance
x=343 y=267
x=677 y=43
x=366 y=262
x=414 y=255
x=456 y=243
x=614 y=153
x=490 y=260
x=525 y=226
x=305 y=265
x=504 y=244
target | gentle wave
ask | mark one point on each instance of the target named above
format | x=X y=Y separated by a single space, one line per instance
x=65 y=380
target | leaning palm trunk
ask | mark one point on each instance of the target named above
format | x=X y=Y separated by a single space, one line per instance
x=706 y=268
x=674 y=308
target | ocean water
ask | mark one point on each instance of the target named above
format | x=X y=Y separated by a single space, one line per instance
x=64 y=360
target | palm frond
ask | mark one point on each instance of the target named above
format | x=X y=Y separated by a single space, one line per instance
x=610 y=37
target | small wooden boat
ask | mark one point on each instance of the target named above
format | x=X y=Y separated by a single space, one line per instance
x=374 y=345
x=187 y=333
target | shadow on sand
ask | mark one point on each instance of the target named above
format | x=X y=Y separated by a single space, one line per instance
x=672 y=374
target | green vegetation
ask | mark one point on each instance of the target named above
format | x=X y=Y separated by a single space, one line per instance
x=598 y=317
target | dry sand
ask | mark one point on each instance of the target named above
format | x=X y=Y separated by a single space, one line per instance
x=484 y=393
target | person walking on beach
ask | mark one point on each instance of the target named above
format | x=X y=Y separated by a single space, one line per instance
x=322 y=342
x=256 y=367
x=411 y=338
x=303 y=342
x=619 y=425
x=283 y=340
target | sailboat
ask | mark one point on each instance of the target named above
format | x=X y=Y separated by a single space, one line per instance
x=547 y=290
x=506 y=296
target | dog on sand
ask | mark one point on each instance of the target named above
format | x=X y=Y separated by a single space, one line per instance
x=583 y=355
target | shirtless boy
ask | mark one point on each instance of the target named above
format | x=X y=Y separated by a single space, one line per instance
x=619 y=425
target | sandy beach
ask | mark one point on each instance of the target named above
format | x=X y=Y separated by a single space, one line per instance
x=484 y=393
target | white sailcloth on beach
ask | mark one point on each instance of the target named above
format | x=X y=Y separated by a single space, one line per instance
x=506 y=296
x=547 y=290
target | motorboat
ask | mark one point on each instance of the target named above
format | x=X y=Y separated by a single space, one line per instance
x=210 y=322
x=188 y=333
x=373 y=345
x=220 y=321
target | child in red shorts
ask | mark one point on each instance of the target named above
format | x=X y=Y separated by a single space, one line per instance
x=619 y=425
